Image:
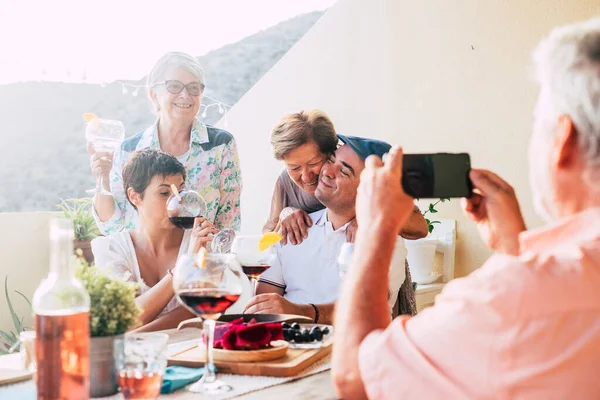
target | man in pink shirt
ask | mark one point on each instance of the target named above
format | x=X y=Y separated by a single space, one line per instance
x=527 y=323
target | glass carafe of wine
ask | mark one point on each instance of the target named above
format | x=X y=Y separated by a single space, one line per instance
x=62 y=323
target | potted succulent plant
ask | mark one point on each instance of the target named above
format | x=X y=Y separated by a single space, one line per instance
x=80 y=212
x=113 y=311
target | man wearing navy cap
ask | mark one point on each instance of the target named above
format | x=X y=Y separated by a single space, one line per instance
x=305 y=278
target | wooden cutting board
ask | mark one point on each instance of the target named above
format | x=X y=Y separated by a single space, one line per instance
x=8 y=375
x=10 y=371
x=291 y=364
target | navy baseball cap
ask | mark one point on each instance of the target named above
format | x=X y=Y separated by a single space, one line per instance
x=366 y=147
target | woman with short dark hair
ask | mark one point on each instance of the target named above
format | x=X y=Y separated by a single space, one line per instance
x=147 y=254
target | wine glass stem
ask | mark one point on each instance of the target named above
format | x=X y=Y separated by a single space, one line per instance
x=209 y=368
x=253 y=283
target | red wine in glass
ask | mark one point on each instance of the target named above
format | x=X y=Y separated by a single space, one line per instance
x=254 y=271
x=183 y=222
x=208 y=302
x=184 y=207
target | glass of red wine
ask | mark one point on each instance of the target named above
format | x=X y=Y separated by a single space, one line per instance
x=253 y=261
x=184 y=207
x=207 y=284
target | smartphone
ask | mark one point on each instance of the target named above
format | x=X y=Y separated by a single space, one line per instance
x=427 y=176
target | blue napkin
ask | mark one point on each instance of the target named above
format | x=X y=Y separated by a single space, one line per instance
x=176 y=377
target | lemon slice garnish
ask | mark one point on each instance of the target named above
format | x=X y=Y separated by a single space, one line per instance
x=89 y=117
x=201 y=258
x=93 y=119
x=268 y=240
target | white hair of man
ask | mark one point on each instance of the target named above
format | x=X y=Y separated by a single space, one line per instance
x=172 y=59
x=567 y=65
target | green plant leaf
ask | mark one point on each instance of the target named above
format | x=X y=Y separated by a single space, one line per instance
x=9 y=339
x=13 y=314
x=435 y=222
x=428 y=221
x=25 y=298
x=445 y=199
x=79 y=211
x=432 y=209
x=430 y=228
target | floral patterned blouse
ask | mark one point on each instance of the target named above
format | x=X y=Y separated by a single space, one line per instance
x=213 y=170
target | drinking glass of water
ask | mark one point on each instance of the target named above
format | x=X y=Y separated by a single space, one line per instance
x=105 y=136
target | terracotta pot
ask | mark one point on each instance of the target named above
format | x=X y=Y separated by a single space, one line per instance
x=86 y=248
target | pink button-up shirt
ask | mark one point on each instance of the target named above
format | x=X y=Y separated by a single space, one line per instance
x=524 y=327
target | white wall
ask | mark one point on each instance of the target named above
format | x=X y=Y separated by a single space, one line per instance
x=25 y=250
x=432 y=75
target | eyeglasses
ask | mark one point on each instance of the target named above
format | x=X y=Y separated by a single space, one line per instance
x=176 y=87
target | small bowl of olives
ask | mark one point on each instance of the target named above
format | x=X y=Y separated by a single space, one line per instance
x=306 y=336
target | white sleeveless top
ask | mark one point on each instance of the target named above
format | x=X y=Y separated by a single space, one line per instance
x=118 y=252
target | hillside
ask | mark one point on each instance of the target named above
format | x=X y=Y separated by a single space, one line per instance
x=43 y=154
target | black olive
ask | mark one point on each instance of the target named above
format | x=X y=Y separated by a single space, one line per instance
x=325 y=331
x=285 y=325
x=298 y=337
x=306 y=337
x=315 y=329
x=318 y=335
x=295 y=326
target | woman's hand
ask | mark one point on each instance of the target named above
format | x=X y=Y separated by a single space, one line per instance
x=294 y=223
x=202 y=233
x=100 y=163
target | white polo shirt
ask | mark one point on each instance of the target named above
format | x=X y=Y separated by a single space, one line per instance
x=309 y=273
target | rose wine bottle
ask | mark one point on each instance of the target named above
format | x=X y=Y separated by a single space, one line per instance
x=62 y=324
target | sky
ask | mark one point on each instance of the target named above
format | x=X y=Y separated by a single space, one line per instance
x=69 y=40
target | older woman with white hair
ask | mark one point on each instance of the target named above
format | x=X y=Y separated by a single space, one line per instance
x=175 y=87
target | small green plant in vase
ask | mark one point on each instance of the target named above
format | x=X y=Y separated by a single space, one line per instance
x=79 y=211
x=113 y=311
x=432 y=210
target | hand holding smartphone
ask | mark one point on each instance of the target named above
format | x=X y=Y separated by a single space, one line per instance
x=437 y=175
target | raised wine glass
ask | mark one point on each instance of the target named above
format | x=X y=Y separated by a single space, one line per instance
x=105 y=136
x=183 y=207
x=253 y=261
x=207 y=285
